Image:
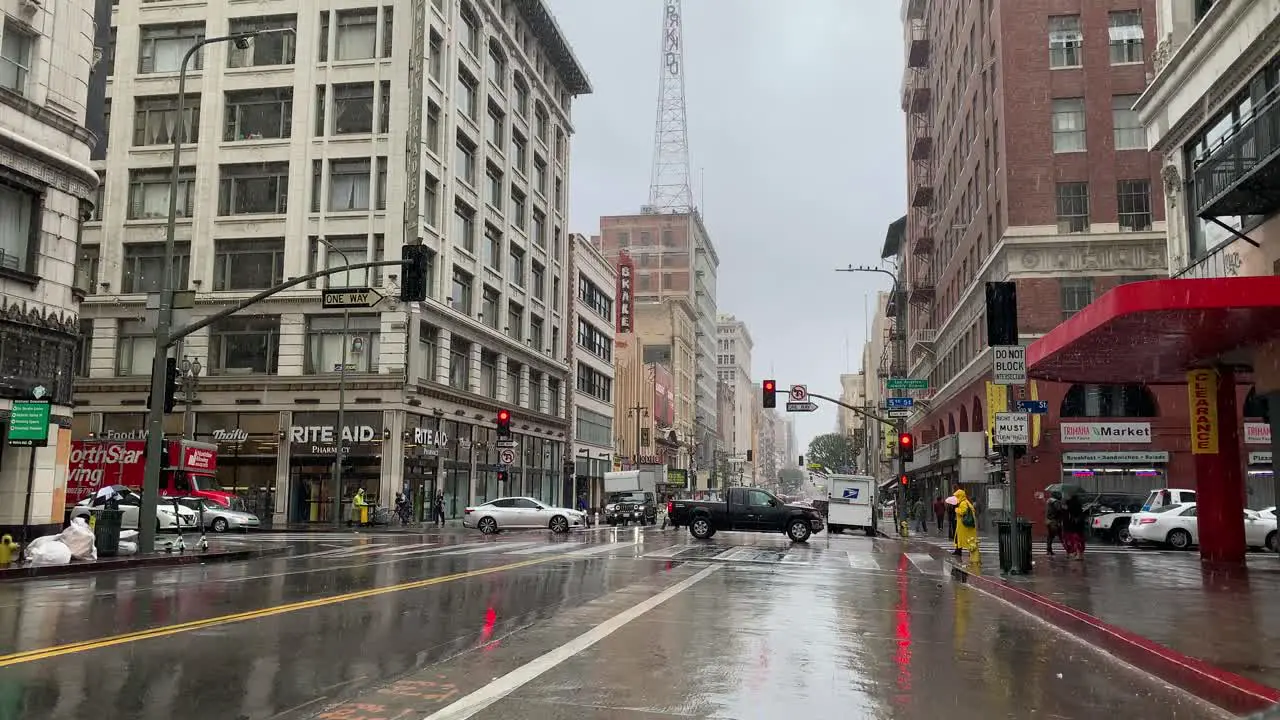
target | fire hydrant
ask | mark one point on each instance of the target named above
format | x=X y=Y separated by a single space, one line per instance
x=7 y=549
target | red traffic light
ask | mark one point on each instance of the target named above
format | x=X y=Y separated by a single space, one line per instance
x=769 y=386
x=503 y=415
x=904 y=439
x=903 y=479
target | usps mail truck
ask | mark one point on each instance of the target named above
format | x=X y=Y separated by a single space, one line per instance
x=851 y=503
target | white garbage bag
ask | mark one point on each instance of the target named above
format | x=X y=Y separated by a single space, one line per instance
x=129 y=536
x=47 y=550
x=79 y=539
x=127 y=547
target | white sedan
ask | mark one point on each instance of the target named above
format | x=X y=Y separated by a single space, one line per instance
x=167 y=517
x=1177 y=525
x=521 y=512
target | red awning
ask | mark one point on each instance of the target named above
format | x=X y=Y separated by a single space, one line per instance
x=1155 y=331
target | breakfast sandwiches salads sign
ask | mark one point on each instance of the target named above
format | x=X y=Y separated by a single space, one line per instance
x=1105 y=432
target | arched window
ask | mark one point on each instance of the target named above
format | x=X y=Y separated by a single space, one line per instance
x=964 y=419
x=1255 y=406
x=942 y=429
x=1132 y=400
x=978 y=424
x=951 y=424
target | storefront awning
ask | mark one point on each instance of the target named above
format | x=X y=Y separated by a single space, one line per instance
x=1154 y=331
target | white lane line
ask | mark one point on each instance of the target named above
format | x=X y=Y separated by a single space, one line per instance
x=340 y=552
x=858 y=561
x=597 y=549
x=553 y=547
x=729 y=554
x=488 y=547
x=669 y=552
x=449 y=548
x=360 y=550
x=925 y=563
x=469 y=705
x=792 y=559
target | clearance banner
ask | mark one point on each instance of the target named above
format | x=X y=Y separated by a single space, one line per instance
x=1202 y=399
x=997 y=399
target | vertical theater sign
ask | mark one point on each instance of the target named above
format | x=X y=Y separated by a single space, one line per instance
x=626 y=268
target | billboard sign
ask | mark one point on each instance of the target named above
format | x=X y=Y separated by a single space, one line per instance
x=664 y=395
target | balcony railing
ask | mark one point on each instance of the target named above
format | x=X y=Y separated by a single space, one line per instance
x=922 y=336
x=1242 y=174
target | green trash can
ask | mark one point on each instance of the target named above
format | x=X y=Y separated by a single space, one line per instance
x=106 y=531
x=1004 y=536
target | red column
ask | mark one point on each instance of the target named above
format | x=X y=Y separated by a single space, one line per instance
x=1220 y=480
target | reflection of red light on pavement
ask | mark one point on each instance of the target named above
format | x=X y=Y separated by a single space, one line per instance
x=490 y=621
x=902 y=613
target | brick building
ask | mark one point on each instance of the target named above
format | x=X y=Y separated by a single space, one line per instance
x=1027 y=163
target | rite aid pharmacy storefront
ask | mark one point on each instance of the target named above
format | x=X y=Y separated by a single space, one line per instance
x=1126 y=462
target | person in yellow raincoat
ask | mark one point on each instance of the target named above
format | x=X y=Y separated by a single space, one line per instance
x=966 y=525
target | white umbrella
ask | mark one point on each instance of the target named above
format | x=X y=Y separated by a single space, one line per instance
x=952 y=500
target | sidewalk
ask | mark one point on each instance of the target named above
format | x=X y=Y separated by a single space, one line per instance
x=1215 y=633
x=160 y=559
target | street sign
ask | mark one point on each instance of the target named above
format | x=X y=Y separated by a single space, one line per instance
x=507 y=456
x=350 y=298
x=799 y=394
x=899 y=402
x=1009 y=365
x=29 y=423
x=907 y=383
x=801 y=407
x=1035 y=407
x=896 y=413
x=507 y=444
x=1012 y=429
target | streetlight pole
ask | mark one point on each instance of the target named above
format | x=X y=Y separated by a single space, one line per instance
x=190 y=369
x=635 y=411
x=164 y=311
x=342 y=390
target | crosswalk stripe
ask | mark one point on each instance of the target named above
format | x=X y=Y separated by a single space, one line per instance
x=791 y=559
x=487 y=547
x=554 y=547
x=438 y=548
x=669 y=552
x=360 y=550
x=598 y=549
x=925 y=563
x=730 y=553
x=858 y=561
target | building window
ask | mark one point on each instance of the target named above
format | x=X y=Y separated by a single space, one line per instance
x=352 y=108
x=541 y=123
x=519 y=152
x=497 y=68
x=162 y=47
x=248 y=264
x=494 y=187
x=559 y=198
x=338 y=251
x=1133 y=201
x=266 y=49
x=554 y=394
x=431 y=200
x=519 y=209
x=1073 y=207
x=513 y=381
x=259 y=114
x=489 y=313
x=464 y=227
x=1068 y=125
x=468 y=96
x=87 y=268
x=1126 y=37
x=429 y=339
x=594 y=341
x=84 y=348
x=253 y=189
x=384 y=107
x=325 y=342
x=465 y=159
x=489 y=373
x=595 y=298
x=1129 y=133
x=459 y=362
x=149 y=193
x=432 y=135
x=515 y=266
x=349 y=185
x=522 y=95
x=515 y=321
x=497 y=127
x=540 y=176
x=244 y=345
x=142 y=267
x=16 y=52
x=357 y=35
x=135 y=348
x=1077 y=293
x=1065 y=41
x=536 y=338
x=538 y=273
x=535 y=391
x=1109 y=401
x=155 y=120
x=469 y=31
x=593 y=428
x=19 y=227
x=594 y=383
x=460 y=296
x=435 y=57
x=493 y=247
x=539 y=232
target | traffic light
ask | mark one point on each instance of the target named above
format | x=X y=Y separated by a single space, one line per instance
x=414 y=263
x=504 y=423
x=502 y=476
x=770 y=389
x=902 y=479
x=170 y=385
x=906 y=447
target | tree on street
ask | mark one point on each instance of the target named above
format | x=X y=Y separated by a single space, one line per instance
x=835 y=451
x=790 y=479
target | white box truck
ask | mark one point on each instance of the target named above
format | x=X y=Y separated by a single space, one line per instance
x=851 y=503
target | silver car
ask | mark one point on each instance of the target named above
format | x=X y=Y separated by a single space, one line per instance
x=220 y=519
x=521 y=512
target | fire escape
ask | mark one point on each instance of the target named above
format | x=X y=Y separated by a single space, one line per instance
x=917 y=102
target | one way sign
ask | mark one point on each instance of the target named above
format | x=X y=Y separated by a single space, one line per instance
x=350 y=298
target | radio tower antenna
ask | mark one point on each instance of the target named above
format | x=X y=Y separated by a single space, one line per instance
x=669 y=190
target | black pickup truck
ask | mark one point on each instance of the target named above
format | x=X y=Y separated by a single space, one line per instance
x=750 y=510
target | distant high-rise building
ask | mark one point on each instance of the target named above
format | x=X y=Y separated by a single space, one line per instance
x=733 y=367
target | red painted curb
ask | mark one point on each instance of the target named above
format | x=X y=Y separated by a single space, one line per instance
x=1225 y=689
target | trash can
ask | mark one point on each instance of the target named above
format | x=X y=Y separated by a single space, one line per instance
x=106 y=531
x=1004 y=536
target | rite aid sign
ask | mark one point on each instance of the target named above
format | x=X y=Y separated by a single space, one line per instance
x=1114 y=432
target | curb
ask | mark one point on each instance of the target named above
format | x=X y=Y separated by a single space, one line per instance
x=1227 y=690
x=43 y=571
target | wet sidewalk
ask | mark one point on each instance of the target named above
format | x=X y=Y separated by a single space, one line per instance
x=157 y=559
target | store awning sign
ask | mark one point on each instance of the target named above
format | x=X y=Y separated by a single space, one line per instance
x=1105 y=457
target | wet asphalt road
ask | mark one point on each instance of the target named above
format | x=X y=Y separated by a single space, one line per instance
x=526 y=626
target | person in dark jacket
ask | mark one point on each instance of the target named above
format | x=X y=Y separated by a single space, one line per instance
x=1054 y=513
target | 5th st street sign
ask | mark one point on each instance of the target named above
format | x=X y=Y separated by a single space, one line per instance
x=350 y=298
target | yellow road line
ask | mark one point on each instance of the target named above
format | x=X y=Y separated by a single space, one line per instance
x=27 y=656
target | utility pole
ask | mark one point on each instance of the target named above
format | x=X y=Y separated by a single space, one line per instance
x=636 y=411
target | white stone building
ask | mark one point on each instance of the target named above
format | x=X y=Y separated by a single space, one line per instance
x=591 y=354
x=363 y=126
x=46 y=190
x=733 y=367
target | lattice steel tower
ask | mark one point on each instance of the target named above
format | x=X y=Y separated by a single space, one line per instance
x=669 y=190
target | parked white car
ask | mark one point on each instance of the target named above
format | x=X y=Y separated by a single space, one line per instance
x=1177 y=526
x=131 y=503
x=521 y=512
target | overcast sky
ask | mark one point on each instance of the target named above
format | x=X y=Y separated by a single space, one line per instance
x=796 y=142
